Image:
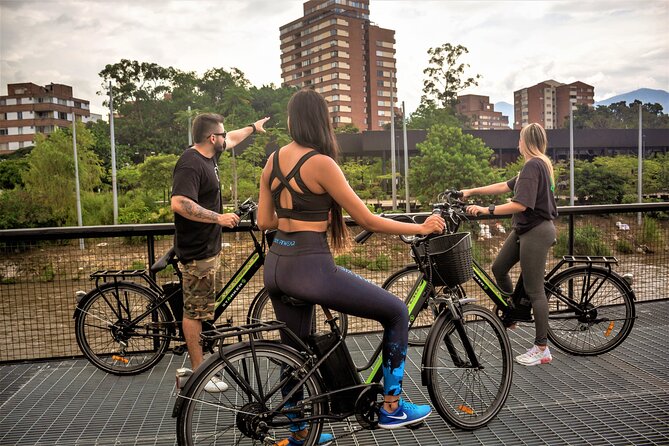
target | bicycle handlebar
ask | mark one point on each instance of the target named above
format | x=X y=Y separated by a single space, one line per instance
x=451 y=209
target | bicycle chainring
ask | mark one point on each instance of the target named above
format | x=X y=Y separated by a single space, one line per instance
x=367 y=406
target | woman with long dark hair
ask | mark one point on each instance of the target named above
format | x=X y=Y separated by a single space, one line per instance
x=302 y=193
x=534 y=209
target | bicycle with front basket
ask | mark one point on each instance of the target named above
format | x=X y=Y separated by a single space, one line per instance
x=591 y=307
x=466 y=367
x=126 y=323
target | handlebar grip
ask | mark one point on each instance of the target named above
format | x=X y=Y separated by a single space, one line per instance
x=363 y=236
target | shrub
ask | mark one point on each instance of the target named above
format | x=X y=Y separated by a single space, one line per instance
x=624 y=246
x=650 y=233
x=344 y=260
x=48 y=273
x=381 y=263
x=588 y=240
x=138 y=264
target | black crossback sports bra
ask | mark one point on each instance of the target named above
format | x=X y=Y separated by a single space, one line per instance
x=307 y=206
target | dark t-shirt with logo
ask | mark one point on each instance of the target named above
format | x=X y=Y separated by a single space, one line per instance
x=196 y=177
x=533 y=189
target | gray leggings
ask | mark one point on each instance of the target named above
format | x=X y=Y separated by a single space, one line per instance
x=531 y=249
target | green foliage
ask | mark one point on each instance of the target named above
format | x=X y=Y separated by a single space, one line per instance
x=651 y=234
x=138 y=264
x=596 y=185
x=18 y=210
x=624 y=246
x=348 y=128
x=619 y=115
x=47 y=274
x=449 y=159
x=429 y=114
x=10 y=173
x=445 y=75
x=97 y=208
x=50 y=178
x=588 y=240
x=344 y=260
x=365 y=177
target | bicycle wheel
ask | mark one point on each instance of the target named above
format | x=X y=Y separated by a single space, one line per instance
x=262 y=310
x=591 y=311
x=255 y=380
x=400 y=283
x=108 y=340
x=464 y=396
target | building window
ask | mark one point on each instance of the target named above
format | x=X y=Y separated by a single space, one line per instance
x=19 y=115
x=3 y=131
x=62 y=115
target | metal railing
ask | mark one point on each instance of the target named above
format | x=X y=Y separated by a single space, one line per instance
x=41 y=270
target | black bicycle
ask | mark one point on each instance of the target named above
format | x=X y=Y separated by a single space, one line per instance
x=591 y=307
x=126 y=323
x=466 y=367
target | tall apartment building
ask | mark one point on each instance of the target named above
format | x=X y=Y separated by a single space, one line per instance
x=29 y=109
x=481 y=113
x=548 y=103
x=337 y=50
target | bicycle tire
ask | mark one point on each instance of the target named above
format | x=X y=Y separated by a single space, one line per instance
x=102 y=325
x=601 y=314
x=261 y=309
x=400 y=283
x=469 y=398
x=228 y=417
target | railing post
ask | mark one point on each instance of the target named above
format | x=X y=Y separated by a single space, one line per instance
x=151 y=247
x=571 y=234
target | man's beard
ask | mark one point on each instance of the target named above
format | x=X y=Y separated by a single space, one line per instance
x=219 y=147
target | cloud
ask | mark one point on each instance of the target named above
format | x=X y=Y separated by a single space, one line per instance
x=615 y=45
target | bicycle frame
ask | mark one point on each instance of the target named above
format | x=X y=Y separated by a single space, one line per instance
x=224 y=296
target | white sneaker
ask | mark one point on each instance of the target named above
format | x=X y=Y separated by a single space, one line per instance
x=535 y=356
x=216 y=385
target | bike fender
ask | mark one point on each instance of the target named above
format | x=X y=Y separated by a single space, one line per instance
x=443 y=318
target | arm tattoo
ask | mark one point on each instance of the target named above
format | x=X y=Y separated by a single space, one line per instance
x=192 y=209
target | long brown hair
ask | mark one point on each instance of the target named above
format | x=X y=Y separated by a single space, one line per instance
x=309 y=125
x=536 y=141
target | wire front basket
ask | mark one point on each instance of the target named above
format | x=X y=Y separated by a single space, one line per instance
x=451 y=259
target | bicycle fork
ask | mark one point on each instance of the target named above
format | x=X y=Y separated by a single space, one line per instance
x=456 y=318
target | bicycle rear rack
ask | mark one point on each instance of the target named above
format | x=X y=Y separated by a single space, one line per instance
x=590 y=259
x=117 y=273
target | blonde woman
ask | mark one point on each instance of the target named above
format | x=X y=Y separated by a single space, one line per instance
x=533 y=208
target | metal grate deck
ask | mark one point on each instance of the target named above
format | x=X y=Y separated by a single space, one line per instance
x=620 y=398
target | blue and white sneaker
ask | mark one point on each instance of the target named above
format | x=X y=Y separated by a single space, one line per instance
x=405 y=415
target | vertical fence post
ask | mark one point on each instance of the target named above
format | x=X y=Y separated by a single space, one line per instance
x=151 y=248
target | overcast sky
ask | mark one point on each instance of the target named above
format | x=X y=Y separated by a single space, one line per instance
x=617 y=46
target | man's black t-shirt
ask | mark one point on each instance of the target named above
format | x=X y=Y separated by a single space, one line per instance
x=196 y=177
x=533 y=189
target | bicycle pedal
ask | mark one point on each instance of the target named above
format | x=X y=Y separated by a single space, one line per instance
x=413 y=427
x=179 y=349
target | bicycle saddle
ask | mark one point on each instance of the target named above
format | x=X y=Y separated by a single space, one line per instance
x=162 y=262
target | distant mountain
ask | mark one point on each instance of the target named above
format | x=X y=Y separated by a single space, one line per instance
x=506 y=109
x=644 y=95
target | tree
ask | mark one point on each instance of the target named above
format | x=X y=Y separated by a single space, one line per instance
x=428 y=114
x=619 y=115
x=449 y=159
x=50 y=178
x=348 y=128
x=445 y=76
x=10 y=173
x=596 y=185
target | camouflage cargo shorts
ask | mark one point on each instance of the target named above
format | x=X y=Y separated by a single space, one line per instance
x=199 y=287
